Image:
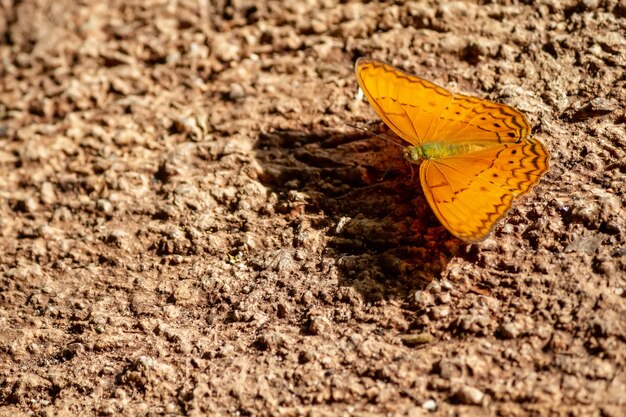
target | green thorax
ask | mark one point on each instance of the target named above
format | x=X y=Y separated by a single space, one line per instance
x=438 y=150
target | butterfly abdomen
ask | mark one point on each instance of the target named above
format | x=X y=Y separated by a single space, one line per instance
x=438 y=150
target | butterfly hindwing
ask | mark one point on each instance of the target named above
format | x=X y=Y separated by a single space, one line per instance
x=469 y=193
x=470 y=119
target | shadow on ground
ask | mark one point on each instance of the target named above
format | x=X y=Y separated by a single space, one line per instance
x=357 y=189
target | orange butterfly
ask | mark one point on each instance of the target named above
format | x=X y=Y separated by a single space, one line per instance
x=475 y=155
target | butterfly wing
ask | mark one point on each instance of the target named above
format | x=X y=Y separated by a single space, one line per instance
x=469 y=193
x=421 y=112
x=407 y=104
x=471 y=119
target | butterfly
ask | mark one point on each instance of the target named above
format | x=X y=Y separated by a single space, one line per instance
x=475 y=156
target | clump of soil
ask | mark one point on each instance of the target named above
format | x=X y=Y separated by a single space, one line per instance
x=189 y=225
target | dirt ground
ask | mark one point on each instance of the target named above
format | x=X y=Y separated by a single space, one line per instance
x=189 y=226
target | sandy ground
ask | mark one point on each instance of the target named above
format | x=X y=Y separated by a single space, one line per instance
x=189 y=226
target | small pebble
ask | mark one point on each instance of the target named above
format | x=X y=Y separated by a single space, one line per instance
x=106 y=410
x=469 y=395
x=225 y=48
x=104 y=206
x=117 y=237
x=271 y=341
x=430 y=405
x=146 y=361
x=307 y=298
x=446 y=285
x=509 y=330
x=236 y=91
x=48 y=195
x=320 y=325
x=27 y=205
x=424 y=299
x=591 y=4
x=438 y=313
x=416 y=339
x=434 y=287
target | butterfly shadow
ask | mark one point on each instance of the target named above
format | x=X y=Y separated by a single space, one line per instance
x=357 y=189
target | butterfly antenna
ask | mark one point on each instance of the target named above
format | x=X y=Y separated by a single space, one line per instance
x=375 y=134
x=383 y=176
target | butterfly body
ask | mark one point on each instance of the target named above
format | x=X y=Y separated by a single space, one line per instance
x=439 y=150
x=475 y=156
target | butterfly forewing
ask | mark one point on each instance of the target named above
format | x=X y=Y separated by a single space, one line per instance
x=409 y=105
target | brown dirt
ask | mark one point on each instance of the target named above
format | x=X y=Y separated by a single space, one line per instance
x=188 y=226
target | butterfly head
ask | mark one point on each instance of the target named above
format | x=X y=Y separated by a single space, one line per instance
x=413 y=154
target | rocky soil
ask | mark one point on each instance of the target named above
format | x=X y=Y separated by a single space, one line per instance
x=190 y=224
